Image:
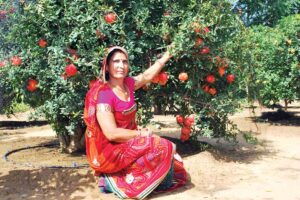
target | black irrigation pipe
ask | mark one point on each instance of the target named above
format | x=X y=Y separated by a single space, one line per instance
x=21 y=124
x=28 y=164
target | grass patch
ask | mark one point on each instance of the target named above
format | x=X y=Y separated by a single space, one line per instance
x=20 y=107
x=250 y=138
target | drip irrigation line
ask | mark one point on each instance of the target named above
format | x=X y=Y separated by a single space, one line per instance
x=28 y=164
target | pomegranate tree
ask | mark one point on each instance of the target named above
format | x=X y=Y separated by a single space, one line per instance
x=53 y=63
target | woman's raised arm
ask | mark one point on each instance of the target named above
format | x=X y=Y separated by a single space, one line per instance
x=152 y=71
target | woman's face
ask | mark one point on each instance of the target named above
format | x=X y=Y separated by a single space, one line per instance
x=118 y=65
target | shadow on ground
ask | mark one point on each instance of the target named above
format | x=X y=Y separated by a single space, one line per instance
x=56 y=184
x=45 y=155
x=240 y=151
x=239 y=155
x=188 y=148
x=278 y=118
x=50 y=184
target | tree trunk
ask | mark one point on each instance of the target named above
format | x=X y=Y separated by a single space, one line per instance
x=285 y=104
x=1 y=100
x=157 y=108
x=73 y=143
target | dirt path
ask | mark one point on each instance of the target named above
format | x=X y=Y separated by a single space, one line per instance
x=270 y=170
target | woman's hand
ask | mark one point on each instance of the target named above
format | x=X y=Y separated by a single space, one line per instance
x=145 y=132
x=154 y=69
x=170 y=49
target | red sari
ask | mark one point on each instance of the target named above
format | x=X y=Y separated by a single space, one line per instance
x=135 y=168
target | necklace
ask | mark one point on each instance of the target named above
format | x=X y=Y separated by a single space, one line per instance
x=124 y=91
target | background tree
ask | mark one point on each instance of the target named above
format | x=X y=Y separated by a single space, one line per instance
x=265 y=12
x=6 y=91
x=270 y=57
x=287 y=60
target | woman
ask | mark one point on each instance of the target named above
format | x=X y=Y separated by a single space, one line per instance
x=130 y=162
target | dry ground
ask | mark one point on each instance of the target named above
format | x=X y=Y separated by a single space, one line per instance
x=268 y=170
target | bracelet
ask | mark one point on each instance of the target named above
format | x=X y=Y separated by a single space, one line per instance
x=162 y=64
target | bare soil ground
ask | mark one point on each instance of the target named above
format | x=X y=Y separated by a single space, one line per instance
x=267 y=170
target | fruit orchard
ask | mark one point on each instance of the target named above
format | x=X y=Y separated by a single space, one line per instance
x=56 y=48
x=270 y=60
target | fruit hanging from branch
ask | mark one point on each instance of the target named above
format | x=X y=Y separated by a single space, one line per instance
x=42 y=43
x=2 y=63
x=183 y=76
x=155 y=79
x=163 y=78
x=32 y=85
x=230 y=78
x=179 y=119
x=212 y=91
x=198 y=42
x=210 y=79
x=205 y=50
x=16 y=61
x=110 y=18
x=100 y=35
x=185 y=133
x=71 y=70
x=221 y=71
